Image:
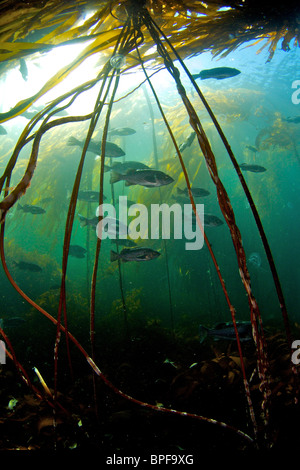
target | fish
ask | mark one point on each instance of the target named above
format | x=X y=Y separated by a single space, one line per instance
x=148 y=178
x=11 y=322
x=294 y=120
x=28 y=266
x=124 y=242
x=89 y=196
x=2 y=130
x=226 y=331
x=218 y=73
x=30 y=208
x=212 y=220
x=29 y=114
x=77 y=251
x=252 y=168
x=134 y=254
x=32 y=112
x=23 y=69
x=122 y=131
x=112 y=226
x=122 y=168
x=196 y=192
x=111 y=150
x=209 y=220
x=188 y=142
x=251 y=148
x=84 y=221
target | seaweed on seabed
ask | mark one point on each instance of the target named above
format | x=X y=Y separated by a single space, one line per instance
x=136 y=34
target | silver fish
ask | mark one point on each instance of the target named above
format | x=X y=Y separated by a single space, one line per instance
x=122 y=168
x=111 y=150
x=251 y=148
x=188 y=142
x=112 y=227
x=134 y=254
x=218 y=72
x=77 y=251
x=210 y=220
x=294 y=120
x=122 y=131
x=252 y=168
x=28 y=266
x=147 y=178
x=89 y=196
x=84 y=221
x=196 y=192
x=31 y=209
x=226 y=331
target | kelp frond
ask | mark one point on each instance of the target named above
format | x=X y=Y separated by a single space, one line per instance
x=195 y=25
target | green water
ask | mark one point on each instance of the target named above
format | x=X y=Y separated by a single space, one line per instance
x=171 y=296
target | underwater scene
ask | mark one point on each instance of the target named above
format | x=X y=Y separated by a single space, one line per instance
x=149 y=230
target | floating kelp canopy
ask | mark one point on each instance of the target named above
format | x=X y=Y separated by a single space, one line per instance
x=194 y=26
x=125 y=36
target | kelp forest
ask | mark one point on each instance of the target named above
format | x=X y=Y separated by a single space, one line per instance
x=125 y=344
